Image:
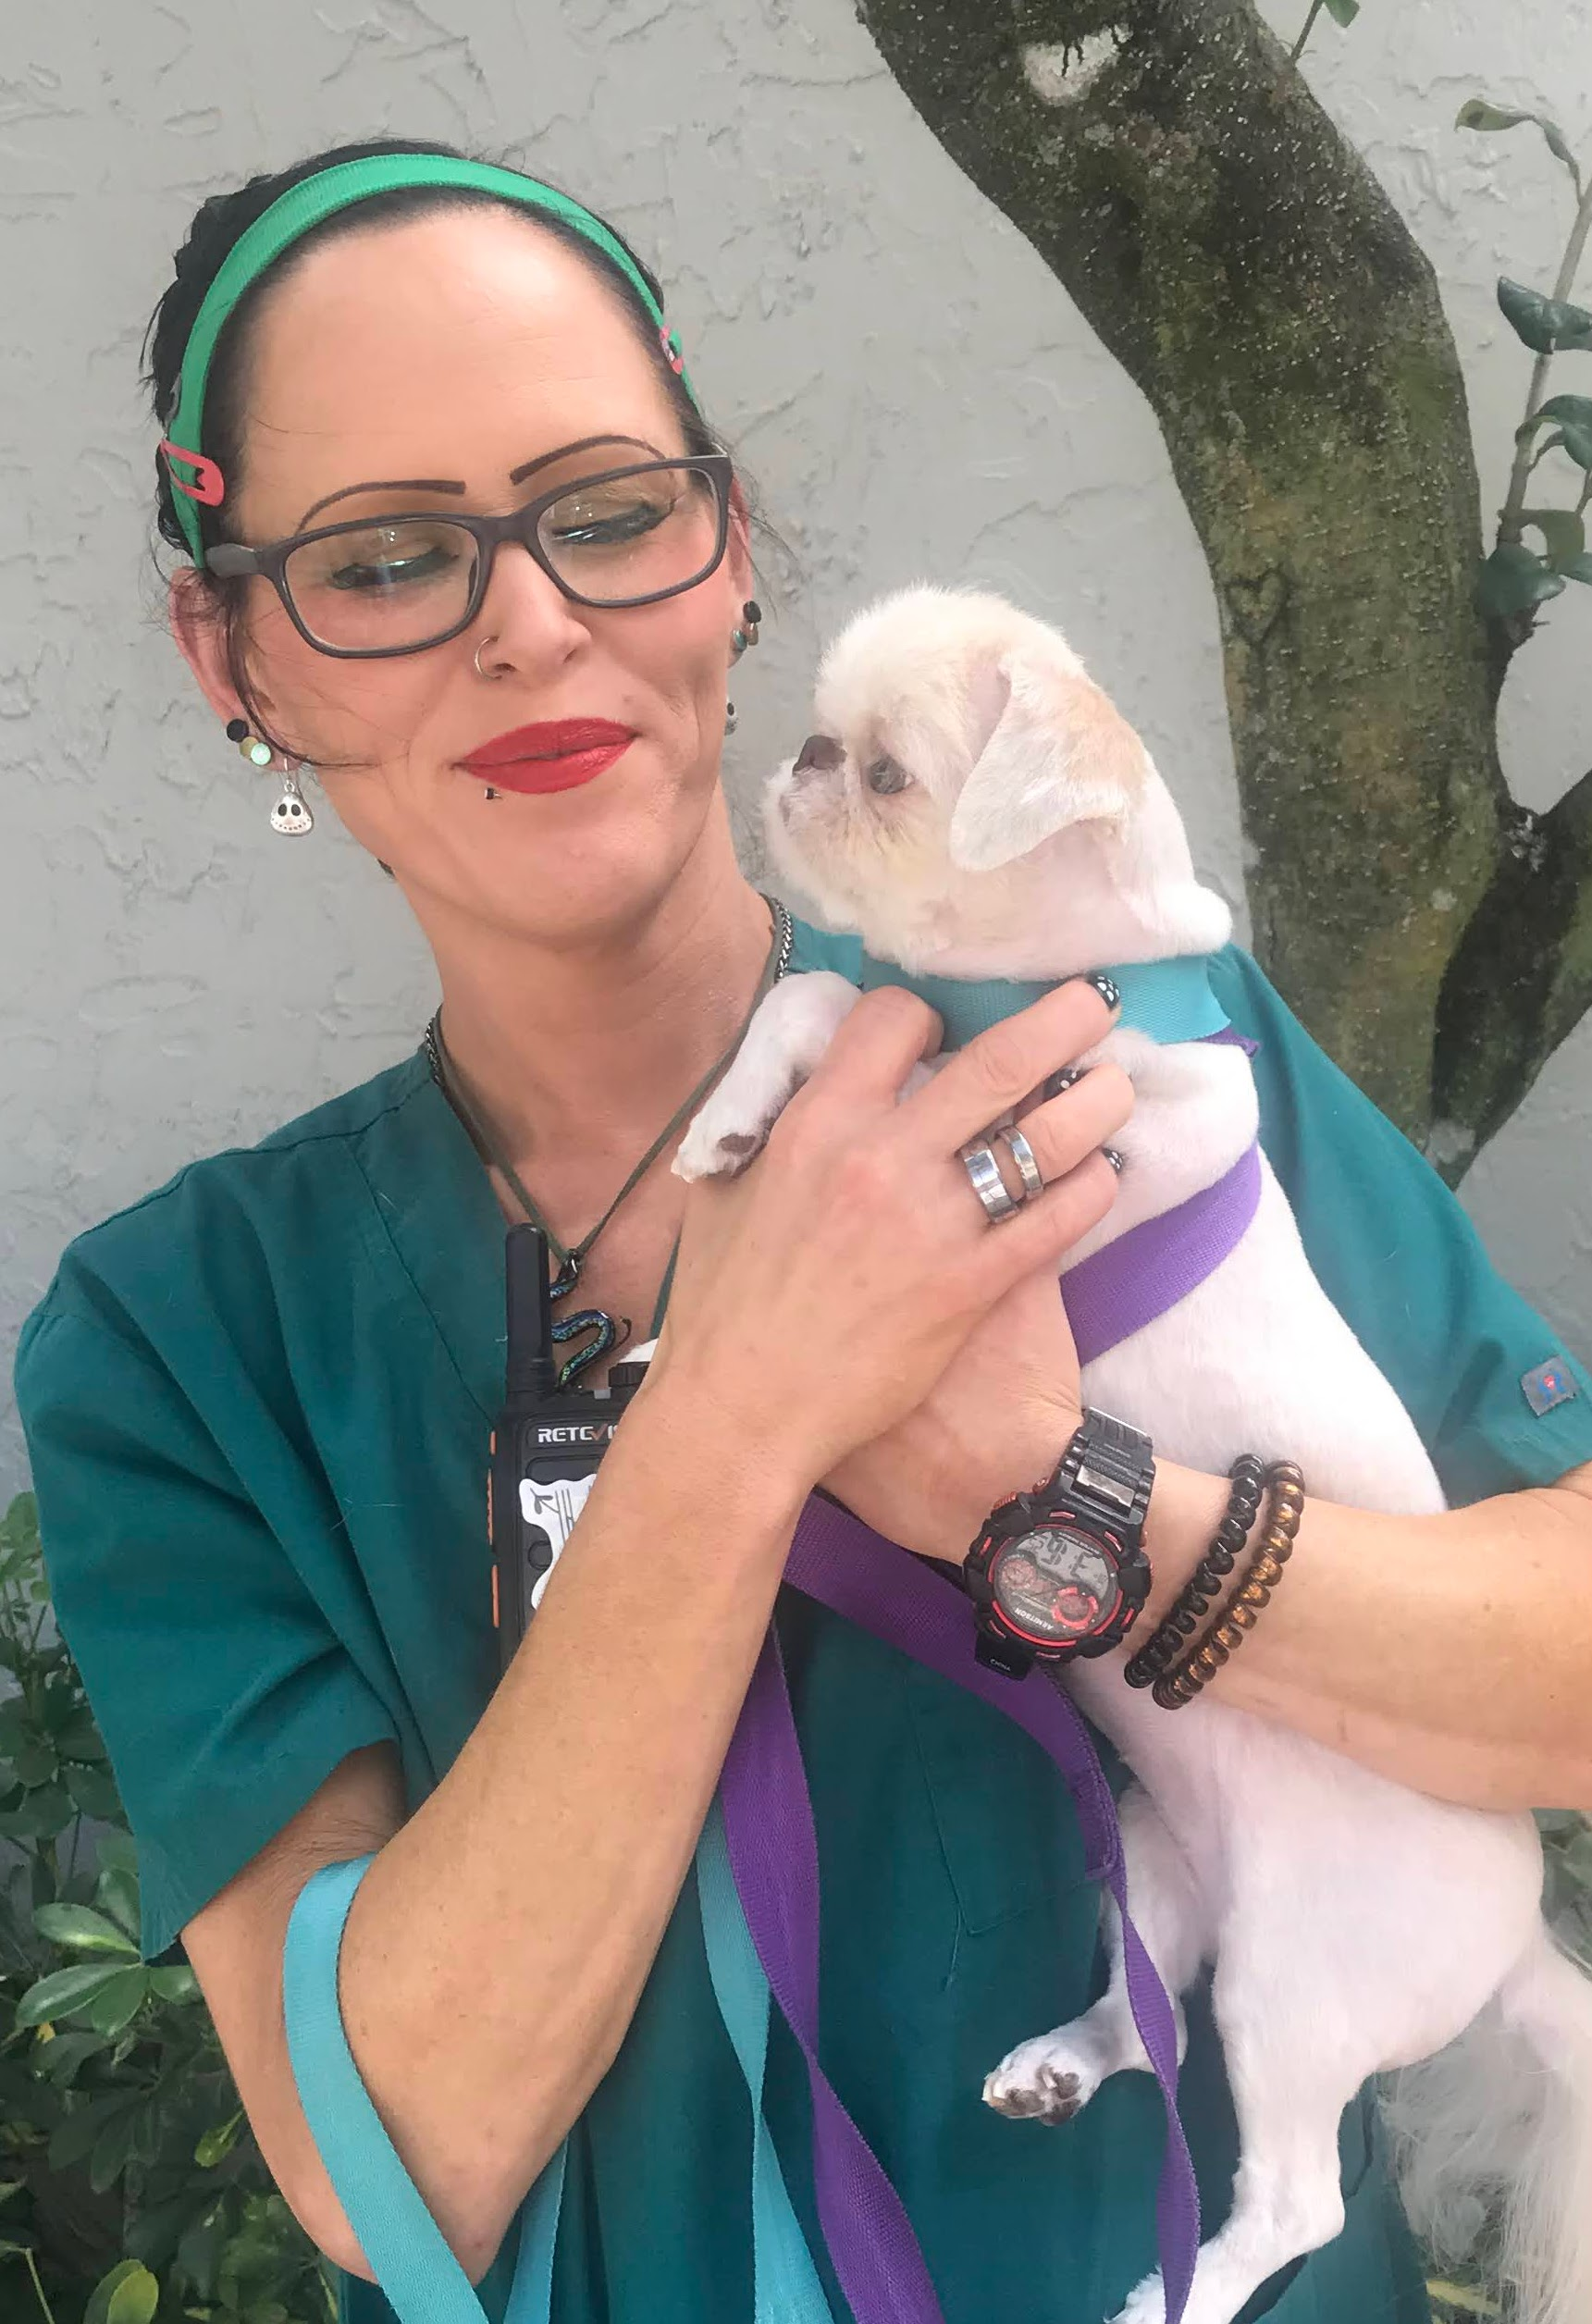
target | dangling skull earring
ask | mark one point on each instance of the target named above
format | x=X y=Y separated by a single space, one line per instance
x=740 y=638
x=289 y=816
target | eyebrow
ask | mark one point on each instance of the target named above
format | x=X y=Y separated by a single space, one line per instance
x=452 y=484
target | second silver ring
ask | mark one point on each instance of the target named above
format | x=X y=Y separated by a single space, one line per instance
x=1027 y=1169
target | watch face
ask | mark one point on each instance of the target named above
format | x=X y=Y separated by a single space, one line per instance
x=1055 y=1586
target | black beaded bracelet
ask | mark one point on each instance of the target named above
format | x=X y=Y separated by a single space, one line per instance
x=1170 y=1640
x=1183 y=1681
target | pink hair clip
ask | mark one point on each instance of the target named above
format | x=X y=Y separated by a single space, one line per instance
x=207 y=485
x=669 y=342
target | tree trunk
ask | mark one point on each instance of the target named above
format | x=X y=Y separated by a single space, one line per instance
x=1173 y=169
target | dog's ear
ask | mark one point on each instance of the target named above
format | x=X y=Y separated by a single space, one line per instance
x=1060 y=752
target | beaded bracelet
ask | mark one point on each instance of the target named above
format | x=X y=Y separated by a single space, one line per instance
x=1172 y=1634
x=1180 y=1685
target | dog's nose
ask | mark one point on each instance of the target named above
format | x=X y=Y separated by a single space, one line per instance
x=820 y=754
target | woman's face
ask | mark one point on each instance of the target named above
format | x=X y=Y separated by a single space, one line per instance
x=464 y=346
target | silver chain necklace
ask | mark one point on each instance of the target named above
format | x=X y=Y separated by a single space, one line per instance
x=606 y=1331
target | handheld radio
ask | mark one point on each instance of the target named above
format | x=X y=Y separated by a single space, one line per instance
x=545 y=1446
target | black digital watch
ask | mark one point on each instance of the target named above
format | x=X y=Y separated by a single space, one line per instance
x=1061 y=1571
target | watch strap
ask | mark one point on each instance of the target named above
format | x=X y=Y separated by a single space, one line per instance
x=1107 y=1473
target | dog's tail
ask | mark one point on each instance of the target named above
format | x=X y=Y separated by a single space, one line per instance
x=1493 y=2138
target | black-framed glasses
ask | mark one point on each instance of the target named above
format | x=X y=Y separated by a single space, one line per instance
x=396 y=585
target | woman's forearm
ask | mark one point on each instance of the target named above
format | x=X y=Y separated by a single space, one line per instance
x=498 y=1945
x=1448 y=1652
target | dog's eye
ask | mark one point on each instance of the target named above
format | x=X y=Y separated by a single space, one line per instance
x=884 y=774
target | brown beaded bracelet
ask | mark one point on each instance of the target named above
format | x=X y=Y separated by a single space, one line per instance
x=1180 y=1685
x=1172 y=1636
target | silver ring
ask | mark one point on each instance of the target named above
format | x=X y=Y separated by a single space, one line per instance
x=479 y=651
x=985 y=1177
x=1021 y=1153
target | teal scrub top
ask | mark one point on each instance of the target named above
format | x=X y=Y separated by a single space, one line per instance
x=257 y=1406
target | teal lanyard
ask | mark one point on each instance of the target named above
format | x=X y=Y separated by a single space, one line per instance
x=408 y=2254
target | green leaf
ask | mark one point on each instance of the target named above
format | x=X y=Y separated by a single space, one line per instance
x=116 y=1892
x=118 y=2003
x=1577 y=568
x=78 y=2134
x=1563 y=533
x=35 y=1762
x=1343 y=11
x=1548 y=326
x=66 y=1992
x=41 y=1815
x=1478 y=114
x=79 y=1737
x=112 y=2149
x=1575 y=410
x=218 y=2143
x=129 y=2294
x=92 y=1791
x=118 y=1853
x=178 y=1983
x=199 y=2253
x=80 y=1929
x=56 y=2061
x=1513 y=579
x=1462 y=2296
x=19 y=1525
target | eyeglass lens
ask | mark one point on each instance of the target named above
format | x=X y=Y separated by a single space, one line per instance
x=404 y=581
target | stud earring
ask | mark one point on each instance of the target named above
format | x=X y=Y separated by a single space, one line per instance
x=250 y=746
x=746 y=634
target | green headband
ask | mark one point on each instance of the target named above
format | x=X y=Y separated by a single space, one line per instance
x=303 y=206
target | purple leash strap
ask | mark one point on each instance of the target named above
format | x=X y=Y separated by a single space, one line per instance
x=1115 y=1292
x=774 y=1854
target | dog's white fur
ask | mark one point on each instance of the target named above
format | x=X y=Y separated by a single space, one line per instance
x=1353 y=1926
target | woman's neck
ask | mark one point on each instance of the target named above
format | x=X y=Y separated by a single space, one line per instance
x=599 y=1041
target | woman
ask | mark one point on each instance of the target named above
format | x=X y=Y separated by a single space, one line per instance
x=258 y=1402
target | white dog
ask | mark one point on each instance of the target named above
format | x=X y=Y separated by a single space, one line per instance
x=974 y=805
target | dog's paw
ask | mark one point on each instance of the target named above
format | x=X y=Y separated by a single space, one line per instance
x=709 y=1150
x=1042 y=2081
x=1147 y=2304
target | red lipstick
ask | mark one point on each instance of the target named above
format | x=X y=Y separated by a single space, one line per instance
x=555 y=755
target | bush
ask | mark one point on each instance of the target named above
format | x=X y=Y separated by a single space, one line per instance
x=130 y=2190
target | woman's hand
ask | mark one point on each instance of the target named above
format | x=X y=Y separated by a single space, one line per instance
x=820 y=1298
x=995 y=1422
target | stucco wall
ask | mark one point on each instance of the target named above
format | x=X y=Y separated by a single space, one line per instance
x=912 y=391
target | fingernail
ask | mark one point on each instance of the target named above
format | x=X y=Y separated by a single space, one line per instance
x=1064 y=1079
x=1105 y=987
x=1115 y=1159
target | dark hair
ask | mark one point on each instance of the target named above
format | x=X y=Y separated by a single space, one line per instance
x=217 y=224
